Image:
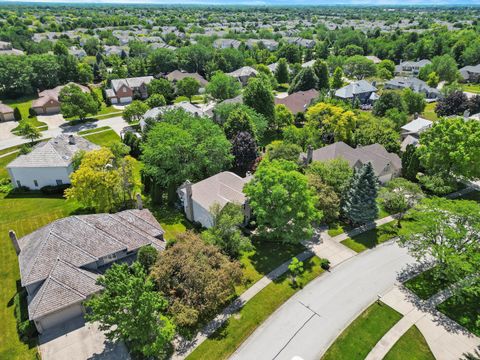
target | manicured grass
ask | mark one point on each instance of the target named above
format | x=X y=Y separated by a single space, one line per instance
x=105 y=138
x=24 y=104
x=236 y=330
x=4 y=161
x=466 y=313
x=425 y=285
x=10 y=149
x=22 y=213
x=473 y=88
x=94 y=130
x=371 y=238
x=429 y=112
x=411 y=346
x=264 y=257
x=359 y=338
x=172 y=221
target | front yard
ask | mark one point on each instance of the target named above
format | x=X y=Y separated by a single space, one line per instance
x=23 y=104
x=371 y=238
x=103 y=138
x=465 y=310
x=411 y=346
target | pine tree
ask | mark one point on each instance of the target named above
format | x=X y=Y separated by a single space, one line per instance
x=321 y=70
x=281 y=72
x=16 y=114
x=359 y=204
x=410 y=163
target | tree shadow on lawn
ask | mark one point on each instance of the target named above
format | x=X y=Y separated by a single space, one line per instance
x=373 y=237
x=32 y=194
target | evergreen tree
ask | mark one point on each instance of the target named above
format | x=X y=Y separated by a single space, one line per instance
x=305 y=80
x=16 y=114
x=359 y=202
x=410 y=163
x=337 y=81
x=321 y=70
x=281 y=72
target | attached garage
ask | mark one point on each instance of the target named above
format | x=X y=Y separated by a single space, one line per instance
x=58 y=317
x=124 y=100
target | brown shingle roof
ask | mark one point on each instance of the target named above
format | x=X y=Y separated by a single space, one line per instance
x=299 y=101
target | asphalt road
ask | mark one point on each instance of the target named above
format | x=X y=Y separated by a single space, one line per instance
x=307 y=323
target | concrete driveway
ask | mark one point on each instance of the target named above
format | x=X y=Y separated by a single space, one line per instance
x=53 y=121
x=310 y=321
x=6 y=129
x=76 y=340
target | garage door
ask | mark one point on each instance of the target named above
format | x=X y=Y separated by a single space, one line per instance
x=114 y=100
x=59 y=317
x=125 y=100
x=53 y=110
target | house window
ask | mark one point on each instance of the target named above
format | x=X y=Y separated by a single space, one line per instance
x=59 y=182
x=35 y=182
x=19 y=183
x=124 y=90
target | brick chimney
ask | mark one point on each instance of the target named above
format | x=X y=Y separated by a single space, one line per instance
x=139 y=201
x=309 y=154
x=13 y=238
x=71 y=139
x=187 y=201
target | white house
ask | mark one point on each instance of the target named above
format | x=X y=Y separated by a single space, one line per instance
x=49 y=163
x=222 y=188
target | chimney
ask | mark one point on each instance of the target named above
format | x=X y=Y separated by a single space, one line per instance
x=466 y=114
x=247 y=213
x=187 y=201
x=309 y=154
x=13 y=237
x=415 y=116
x=139 y=201
x=71 y=139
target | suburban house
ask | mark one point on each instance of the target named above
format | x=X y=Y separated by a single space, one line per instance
x=308 y=43
x=48 y=102
x=222 y=188
x=385 y=165
x=411 y=131
x=268 y=44
x=244 y=74
x=411 y=68
x=126 y=90
x=308 y=64
x=121 y=51
x=470 y=73
x=360 y=90
x=6 y=113
x=417 y=85
x=178 y=75
x=7 y=49
x=79 y=53
x=49 y=162
x=373 y=58
x=226 y=43
x=60 y=262
x=299 y=101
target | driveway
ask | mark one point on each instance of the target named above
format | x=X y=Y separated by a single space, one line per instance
x=311 y=320
x=6 y=129
x=53 y=121
x=76 y=340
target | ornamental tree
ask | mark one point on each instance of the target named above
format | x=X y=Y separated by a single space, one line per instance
x=134 y=111
x=130 y=309
x=188 y=87
x=245 y=151
x=282 y=202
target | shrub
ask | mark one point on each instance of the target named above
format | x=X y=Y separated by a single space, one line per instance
x=25 y=149
x=26 y=328
x=324 y=264
x=54 y=189
x=32 y=112
x=21 y=189
x=16 y=114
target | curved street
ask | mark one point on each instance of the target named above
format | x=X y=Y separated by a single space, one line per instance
x=310 y=321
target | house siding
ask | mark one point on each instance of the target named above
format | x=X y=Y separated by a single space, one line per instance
x=43 y=176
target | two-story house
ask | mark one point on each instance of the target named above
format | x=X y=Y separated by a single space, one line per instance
x=126 y=90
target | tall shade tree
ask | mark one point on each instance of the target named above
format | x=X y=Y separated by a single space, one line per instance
x=400 y=195
x=328 y=201
x=359 y=204
x=378 y=131
x=281 y=72
x=279 y=149
x=282 y=202
x=410 y=163
x=135 y=111
x=454 y=103
x=238 y=120
x=303 y=81
x=321 y=71
x=335 y=173
x=162 y=87
x=130 y=309
x=359 y=67
x=283 y=117
x=75 y=102
x=414 y=102
x=161 y=61
x=451 y=148
x=196 y=278
x=330 y=123
x=188 y=87
x=184 y=147
x=225 y=232
x=103 y=182
x=222 y=87
x=388 y=100
x=259 y=96
x=337 y=78
x=245 y=152
x=447 y=231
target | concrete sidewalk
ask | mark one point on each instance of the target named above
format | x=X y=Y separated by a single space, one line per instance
x=447 y=340
x=326 y=247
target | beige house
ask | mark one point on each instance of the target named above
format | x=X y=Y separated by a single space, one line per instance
x=6 y=113
x=48 y=103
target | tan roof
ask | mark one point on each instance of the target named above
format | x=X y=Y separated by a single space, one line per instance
x=299 y=101
x=52 y=94
x=5 y=109
x=177 y=75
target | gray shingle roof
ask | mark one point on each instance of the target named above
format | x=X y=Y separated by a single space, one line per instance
x=84 y=239
x=131 y=82
x=243 y=71
x=355 y=88
x=56 y=152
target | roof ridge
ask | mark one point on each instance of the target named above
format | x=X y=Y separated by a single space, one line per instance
x=99 y=229
x=132 y=227
x=44 y=241
x=73 y=245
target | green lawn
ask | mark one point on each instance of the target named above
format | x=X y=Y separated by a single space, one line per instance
x=237 y=329
x=94 y=130
x=4 y=162
x=24 y=104
x=10 y=149
x=359 y=338
x=473 y=88
x=172 y=221
x=371 y=238
x=429 y=112
x=265 y=257
x=105 y=138
x=466 y=313
x=425 y=285
x=411 y=346
x=24 y=214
